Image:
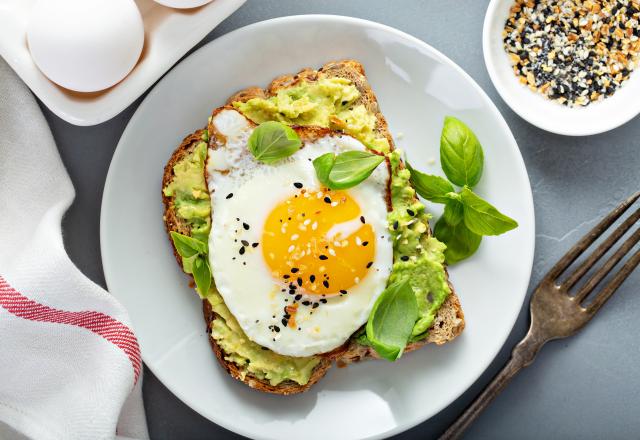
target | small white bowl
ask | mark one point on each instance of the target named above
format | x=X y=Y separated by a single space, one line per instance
x=548 y=115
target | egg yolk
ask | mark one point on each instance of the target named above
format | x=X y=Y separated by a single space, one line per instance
x=319 y=241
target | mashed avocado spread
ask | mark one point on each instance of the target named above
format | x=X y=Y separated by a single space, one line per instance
x=418 y=256
x=251 y=357
x=191 y=194
x=327 y=102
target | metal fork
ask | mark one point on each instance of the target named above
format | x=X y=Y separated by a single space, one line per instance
x=555 y=311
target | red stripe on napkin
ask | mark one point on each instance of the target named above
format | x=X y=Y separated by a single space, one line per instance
x=109 y=328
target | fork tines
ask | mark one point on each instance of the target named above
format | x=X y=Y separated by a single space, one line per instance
x=576 y=251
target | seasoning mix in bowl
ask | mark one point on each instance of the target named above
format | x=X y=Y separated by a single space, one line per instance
x=574 y=52
x=573 y=61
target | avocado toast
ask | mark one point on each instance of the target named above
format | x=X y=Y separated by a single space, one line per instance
x=335 y=97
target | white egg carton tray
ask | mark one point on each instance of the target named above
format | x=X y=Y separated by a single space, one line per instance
x=169 y=34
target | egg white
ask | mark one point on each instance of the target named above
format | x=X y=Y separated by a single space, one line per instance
x=243 y=193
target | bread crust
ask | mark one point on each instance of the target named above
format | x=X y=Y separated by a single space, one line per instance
x=170 y=217
x=449 y=321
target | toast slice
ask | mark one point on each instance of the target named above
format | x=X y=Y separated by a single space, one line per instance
x=449 y=321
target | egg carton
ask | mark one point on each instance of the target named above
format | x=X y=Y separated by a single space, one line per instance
x=169 y=34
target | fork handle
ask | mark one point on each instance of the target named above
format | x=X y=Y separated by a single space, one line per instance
x=522 y=356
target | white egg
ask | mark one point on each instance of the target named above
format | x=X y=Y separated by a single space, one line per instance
x=299 y=267
x=183 y=4
x=85 y=45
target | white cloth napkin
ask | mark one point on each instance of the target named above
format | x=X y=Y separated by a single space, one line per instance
x=70 y=364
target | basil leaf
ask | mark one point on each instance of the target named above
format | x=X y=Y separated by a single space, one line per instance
x=323 y=165
x=391 y=321
x=432 y=188
x=460 y=153
x=461 y=242
x=482 y=218
x=202 y=275
x=453 y=212
x=187 y=246
x=272 y=141
x=349 y=168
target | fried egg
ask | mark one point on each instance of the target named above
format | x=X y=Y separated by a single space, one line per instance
x=299 y=266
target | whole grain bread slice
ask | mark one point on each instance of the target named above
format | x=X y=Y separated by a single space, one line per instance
x=449 y=321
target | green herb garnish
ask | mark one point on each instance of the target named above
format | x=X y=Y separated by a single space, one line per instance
x=347 y=169
x=482 y=218
x=434 y=188
x=194 y=260
x=467 y=217
x=272 y=141
x=461 y=155
x=392 y=319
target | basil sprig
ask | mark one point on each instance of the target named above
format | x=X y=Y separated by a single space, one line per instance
x=434 y=188
x=272 y=141
x=461 y=154
x=481 y=217
x=347 y=169
x=467 y=217
x=194 y=260
x=392 y=319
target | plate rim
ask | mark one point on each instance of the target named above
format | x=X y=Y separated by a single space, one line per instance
x=528 y=196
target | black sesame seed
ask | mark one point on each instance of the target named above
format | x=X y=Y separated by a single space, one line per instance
x=364 y=243
x=315 y=305
x=285 y=321
x=344 y=292
x=369 y=264
x=325 y=283
x=410 y=212
x=299 y=282
x=312 y=278
x=362 y=218
x=286 y=276
x=245 y=226
x=276 y=328
x=395 y=225
x=323 y=301
x=405 y=258
x=229 y=195
x=254 y=245
x=298 y=297
x=292 y=292
x=323 y=257
x=306 y=303
x=297 y=185
x=327 y=200
x=241 y=250
x=244 y=242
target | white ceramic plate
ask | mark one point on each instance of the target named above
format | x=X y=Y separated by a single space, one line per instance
x=539 y=111
x=416 y=86
x=169 y=34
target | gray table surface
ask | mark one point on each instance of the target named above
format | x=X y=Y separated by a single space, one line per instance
x=585 y=387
